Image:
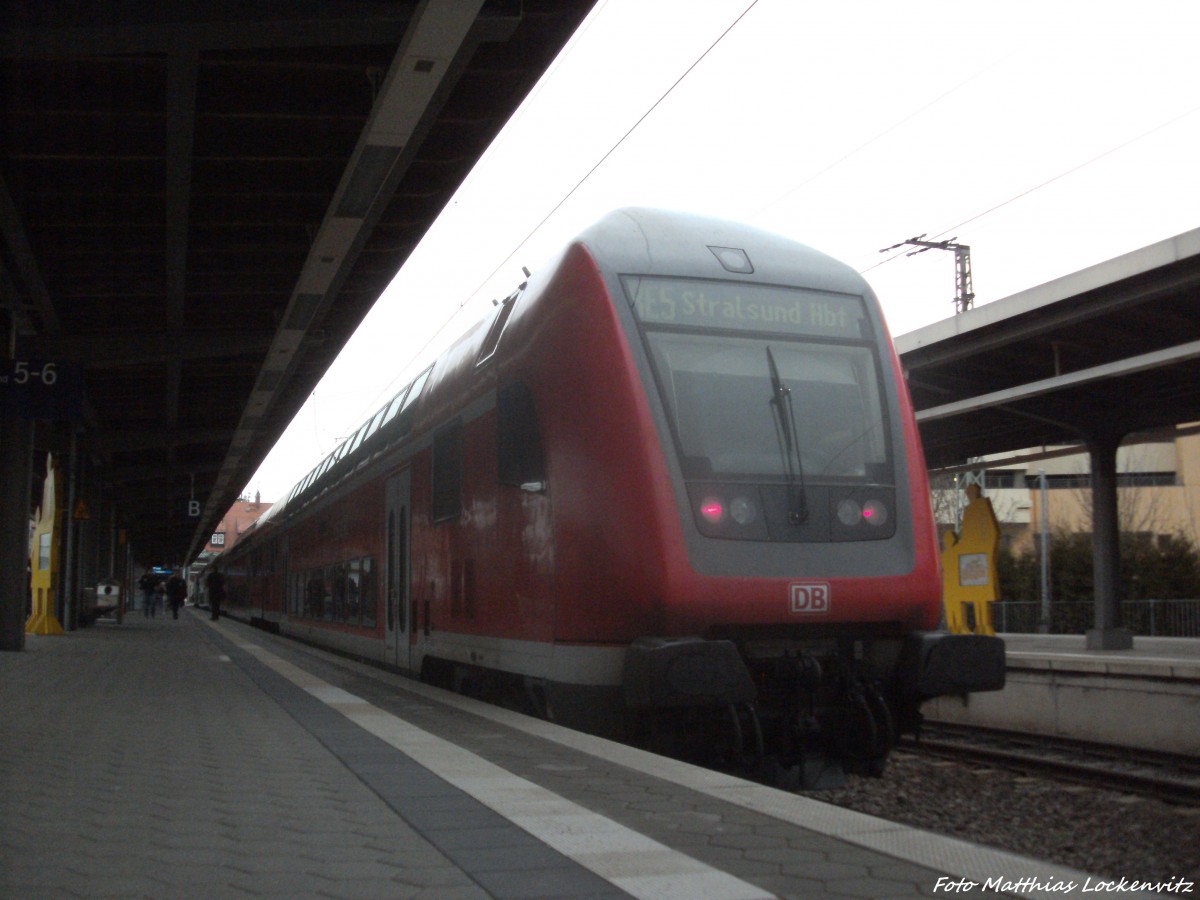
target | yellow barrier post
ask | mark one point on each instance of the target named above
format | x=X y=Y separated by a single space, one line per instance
x=43 y=558
x=969 y=566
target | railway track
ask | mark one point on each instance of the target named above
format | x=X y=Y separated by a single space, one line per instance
x=1168 y=777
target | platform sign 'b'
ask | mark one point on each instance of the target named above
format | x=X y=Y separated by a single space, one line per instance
x=193 y=509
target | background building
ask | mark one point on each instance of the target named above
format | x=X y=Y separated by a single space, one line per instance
x=237 y=521
x=1158 y=491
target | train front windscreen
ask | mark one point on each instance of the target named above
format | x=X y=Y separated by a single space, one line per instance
x=775 y=406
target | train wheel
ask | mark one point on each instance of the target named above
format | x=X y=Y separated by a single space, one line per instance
x=748 y=748
x=865 y=729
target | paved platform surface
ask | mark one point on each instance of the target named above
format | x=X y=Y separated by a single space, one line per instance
x=185 y=758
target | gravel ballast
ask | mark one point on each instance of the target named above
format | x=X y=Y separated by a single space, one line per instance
x=1105 y=833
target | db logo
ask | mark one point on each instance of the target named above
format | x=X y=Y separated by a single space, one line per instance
x=811 y=597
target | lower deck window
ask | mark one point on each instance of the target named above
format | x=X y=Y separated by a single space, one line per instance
x=343 y=592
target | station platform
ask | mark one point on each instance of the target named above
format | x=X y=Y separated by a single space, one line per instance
x=1175 y=657
x=1146 y=697
x=164 y=758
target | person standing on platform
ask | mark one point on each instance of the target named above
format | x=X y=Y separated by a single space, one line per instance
x=176 y=593
x=216 y=592
x=146 y=586
x=156 y=598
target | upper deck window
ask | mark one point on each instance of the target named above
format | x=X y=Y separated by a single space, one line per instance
x=394 y=406
x=403 y=403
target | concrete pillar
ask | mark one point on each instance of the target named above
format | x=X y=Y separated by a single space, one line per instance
x=1106 y=633
x=16 y=477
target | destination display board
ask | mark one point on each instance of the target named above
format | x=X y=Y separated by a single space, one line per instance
x=736 y=306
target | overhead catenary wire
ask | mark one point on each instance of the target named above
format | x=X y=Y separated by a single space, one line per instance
x=820 y=173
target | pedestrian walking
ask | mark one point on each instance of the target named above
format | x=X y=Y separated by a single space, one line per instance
x=176 y=593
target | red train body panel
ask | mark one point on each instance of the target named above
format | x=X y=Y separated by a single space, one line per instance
x=674 y=488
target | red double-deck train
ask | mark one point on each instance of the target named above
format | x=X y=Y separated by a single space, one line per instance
x=672 y=491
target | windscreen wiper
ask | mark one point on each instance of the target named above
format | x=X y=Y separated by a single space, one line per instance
x=789 y=445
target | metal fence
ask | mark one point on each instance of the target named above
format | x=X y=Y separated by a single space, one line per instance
x=1152 y=618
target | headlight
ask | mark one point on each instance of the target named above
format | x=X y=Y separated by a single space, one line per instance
x=729 y=511
x=849 y=512
x=875 y=512
x=743 y=510
x=862 y=514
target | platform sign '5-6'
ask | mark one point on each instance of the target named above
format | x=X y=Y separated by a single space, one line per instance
x=23 y=372
x=40 y=389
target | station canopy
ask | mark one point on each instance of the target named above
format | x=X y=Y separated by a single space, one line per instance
x=1109 y=351
x=200 y=201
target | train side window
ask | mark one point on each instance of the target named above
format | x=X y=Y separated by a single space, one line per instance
x=414 y=392
x=314 y=594
x=324 y=467
x=304 y=485
x=447 y=473
x=394 y=406
x=367 y=591
x=328 y=575
x=296 y=605
x=375 y=423
x=405 y=409
x=337 y=592
x=518 y=438
x=356 y=439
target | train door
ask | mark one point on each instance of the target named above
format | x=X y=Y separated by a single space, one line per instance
x=398 y=568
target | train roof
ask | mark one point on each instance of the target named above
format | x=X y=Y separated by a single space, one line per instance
x=654 y=241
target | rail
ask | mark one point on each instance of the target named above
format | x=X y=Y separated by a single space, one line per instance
x=1172 y=778
x=1149 y=618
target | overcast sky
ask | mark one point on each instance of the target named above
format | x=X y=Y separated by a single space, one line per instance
x=1048 y=135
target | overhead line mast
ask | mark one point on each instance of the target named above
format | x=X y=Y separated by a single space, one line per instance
x=964 y=293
